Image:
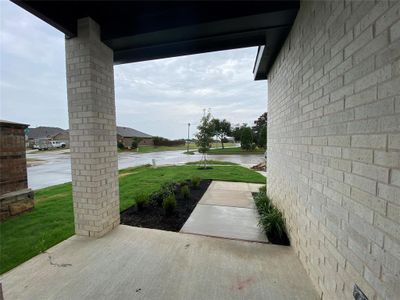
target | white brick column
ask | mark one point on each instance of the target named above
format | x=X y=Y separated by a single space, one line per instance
x=91 y=106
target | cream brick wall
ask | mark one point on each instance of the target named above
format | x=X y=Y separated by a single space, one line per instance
x=334 y=144
x=93 y=142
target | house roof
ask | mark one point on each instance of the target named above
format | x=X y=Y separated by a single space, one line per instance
x=130 y=132
x=44 y=132
x=5 y=123
x=145 y=30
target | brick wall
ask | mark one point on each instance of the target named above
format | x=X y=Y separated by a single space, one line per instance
x=334 y=144
x=127 y=141
x=13 y=176
x=92 y=131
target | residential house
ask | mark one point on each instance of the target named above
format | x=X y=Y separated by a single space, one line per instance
x=126 y=136
x=44 y=132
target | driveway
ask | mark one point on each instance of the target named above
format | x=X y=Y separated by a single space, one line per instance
x=56 y=167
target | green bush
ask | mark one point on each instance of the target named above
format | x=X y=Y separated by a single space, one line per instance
x=273 y=222
x=141 y=200
x=185 y=192
x=168 y=187
x=169 y=204
x=262 y=202
x=196 y=182
x=120 y=145
x=271 y=219
x=165 y=190
x=263 y=189
x=183 y=183
x=134 y=144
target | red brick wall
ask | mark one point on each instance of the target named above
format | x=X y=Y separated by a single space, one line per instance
x=13 y=175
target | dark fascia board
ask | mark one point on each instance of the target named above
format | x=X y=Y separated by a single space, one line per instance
x=267 y=54
x=259 y=64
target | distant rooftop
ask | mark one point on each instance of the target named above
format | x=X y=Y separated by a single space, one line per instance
x=130 y=132
x=44 y=132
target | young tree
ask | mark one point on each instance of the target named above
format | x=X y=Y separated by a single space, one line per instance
x=262 y=138
x=222 y=129
x=246 y=140
x=259 y=124
x=204 y=136
x=237 y=131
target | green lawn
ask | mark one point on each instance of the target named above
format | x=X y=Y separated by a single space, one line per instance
x=192 y=146
x=236 y=150
x=51 y=221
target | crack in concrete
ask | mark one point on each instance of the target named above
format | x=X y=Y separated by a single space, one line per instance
x=56 y=264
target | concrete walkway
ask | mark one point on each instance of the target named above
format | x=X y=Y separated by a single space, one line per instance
x=138 y=263
x=227 y=210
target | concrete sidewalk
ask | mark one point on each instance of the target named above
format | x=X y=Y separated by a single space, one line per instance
x=138 y=263
x=227 y=210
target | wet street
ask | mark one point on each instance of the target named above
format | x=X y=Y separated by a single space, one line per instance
x=55 y=167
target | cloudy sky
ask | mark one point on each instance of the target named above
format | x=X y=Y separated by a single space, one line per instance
x=158 y=97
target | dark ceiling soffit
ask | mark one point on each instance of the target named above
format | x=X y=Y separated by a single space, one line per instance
x=244 y=24
x=223 y=34
x=196 y=46
x=214 y=36
x=29 y=8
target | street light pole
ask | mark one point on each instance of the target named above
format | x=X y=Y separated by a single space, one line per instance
x=188 y=138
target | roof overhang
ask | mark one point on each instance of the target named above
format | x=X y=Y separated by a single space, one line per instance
x=145 y=30
x=267 y=53
x=5 y=123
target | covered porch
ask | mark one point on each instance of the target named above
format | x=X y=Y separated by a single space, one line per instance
x=139 y=263
x=106 y=260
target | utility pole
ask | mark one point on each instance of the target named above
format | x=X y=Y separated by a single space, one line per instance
x=188 y=139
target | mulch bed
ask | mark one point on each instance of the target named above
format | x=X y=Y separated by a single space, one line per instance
x=279 y=240
x=153 y=215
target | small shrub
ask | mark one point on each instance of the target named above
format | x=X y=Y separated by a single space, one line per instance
x=120 y=145
x=271 y=219
x=196 y=182
x=169 y=204
x=185 y=192
x=183 y=183
x=263 y=189
x=165 y=190
x=141 y=200
x=134 y=144
x=273 y=222
x=168 y=187
x=262 y=202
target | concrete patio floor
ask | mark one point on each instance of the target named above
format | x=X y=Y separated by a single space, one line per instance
x=137 y=263
x=227 y=210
